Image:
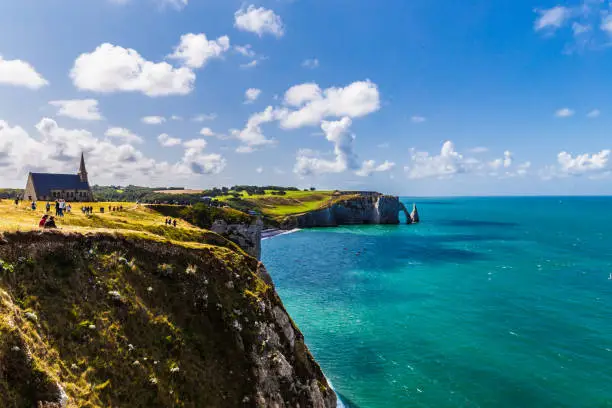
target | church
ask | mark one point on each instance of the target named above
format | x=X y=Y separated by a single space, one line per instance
x=51 y=187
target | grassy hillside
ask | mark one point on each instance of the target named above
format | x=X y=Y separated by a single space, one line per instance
x=134 y=220
x=279 y=206
x=120 y=310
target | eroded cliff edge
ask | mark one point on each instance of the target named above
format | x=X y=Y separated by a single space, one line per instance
x=359 y=209
x=101 y=320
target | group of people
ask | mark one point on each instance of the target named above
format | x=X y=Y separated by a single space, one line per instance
x=61 y=207
x=171 y=222
x=87 y=210
x=47 y=221
x=111 y=208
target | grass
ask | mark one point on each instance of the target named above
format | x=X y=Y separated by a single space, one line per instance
x=276 y=207
x=135 y=221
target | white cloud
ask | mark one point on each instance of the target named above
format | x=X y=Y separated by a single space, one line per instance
x=20 y=73
x=564 y=113
x=123 y=134
x=606 y=24
x=552 y=18
x=251 y=95
x=369 y=166
x=418 y=119
x=313 y=104
x=245 y=50
x=178 y=4
x=167 y=141
x=579 y=29
x=259 y=21
x=84 y=109
x=176 y=117
x=478 y=149
x=450 y=162
x=207 y=132
x=204 y=117
x=311 y=63
x=153 y=120
x=338 y=133
x=594 y=113
x=252 y=135
x=195 y=50
x=259 y=170
x=111 y=68
x=594 y=165
x=58 y=150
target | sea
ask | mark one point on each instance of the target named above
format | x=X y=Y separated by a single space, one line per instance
x=488 y=302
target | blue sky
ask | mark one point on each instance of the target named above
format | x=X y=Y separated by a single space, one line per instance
x=473 y=98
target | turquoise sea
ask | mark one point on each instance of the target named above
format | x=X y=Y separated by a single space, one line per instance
x=489 y=302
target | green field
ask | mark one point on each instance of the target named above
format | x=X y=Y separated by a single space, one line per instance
x=279 y=206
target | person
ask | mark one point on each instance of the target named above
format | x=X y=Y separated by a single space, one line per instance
x=68 y=208
x=57 y=208
x=42 y=221
x=109 y=208
x=33 y=205
x=48 y=207
x=17 y=201
x=50 y=223
x=174 y=222
x=62 y=207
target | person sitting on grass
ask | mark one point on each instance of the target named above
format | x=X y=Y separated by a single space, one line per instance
x=43 y=220
x=50 y=223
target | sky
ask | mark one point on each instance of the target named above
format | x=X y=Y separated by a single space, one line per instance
x=486 y=97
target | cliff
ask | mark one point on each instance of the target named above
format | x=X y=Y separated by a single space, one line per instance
x=104 y=320
x=240 y=228
x=358 y=209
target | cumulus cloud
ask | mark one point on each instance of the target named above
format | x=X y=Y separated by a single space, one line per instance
x=252 y=135
x=564 y=113
x=259 y=21
x=58 y=150
x=153 y=120
x=20 y=73
x=552 y=18
x=338 y=133
x=312 y=104
x=311 y=63
x=123 y=134
x=591 y=165
x=207 y=132
x=167 y=141
x=450 y=163
x=251 y=95
x=369 y=166
x=83 y=109
x=195 y=50
x=111 y=68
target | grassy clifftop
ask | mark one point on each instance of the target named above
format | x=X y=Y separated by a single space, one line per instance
x=94 y=315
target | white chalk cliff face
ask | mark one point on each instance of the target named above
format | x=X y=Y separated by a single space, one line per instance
x=246 y=236
x=378 y=209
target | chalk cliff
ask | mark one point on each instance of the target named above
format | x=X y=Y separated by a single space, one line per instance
x=103 y=320
x=370 y=209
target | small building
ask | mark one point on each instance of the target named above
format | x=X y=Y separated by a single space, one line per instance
x=50 y=187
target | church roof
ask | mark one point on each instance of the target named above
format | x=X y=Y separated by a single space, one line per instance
x=45 y=182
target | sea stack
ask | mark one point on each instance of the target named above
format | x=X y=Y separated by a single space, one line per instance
x=414 y=216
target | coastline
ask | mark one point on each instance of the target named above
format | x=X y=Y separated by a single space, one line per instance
x=273 y=232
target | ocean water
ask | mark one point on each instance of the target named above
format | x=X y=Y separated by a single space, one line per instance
x=489 y=302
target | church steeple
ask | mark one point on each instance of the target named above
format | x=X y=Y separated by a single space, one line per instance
x=82 y=170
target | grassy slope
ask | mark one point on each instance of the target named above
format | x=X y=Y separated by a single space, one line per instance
x=134 y=220
x=170 y=340
x=274 y=206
